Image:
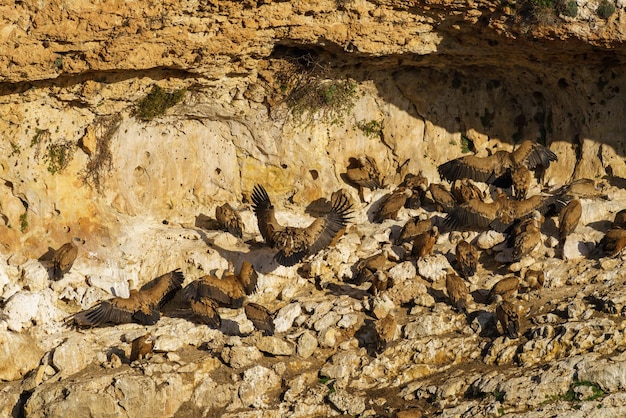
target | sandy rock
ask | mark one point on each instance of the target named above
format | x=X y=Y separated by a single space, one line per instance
x=402 y=271
x=328 y=337
x=489 y=239
x=575 y=248
x=275 y=346
x=210 y=394
x=431 y=325
x=241 y=356
x=381 y=306
x=257 y=385
x=328 y=320
x=307 y=344
x=18 y=355
x=166 y=343
x=346 y=402
x=285 y=316
x=34 y=275
x=349 y=320
x=433 y=267
x=21 y=308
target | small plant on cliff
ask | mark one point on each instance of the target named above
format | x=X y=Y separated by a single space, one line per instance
x=157 y=102
x=332 y=100
x=605 y=9
x=15 y=149
x=372 y=129
x=23 y=222
x=568 y=8
x=58 y=155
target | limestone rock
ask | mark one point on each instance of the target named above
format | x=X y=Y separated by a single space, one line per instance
x=18 y=355
x=307 y=344
x=257 y=385
x=285 y=316
x=346 y=402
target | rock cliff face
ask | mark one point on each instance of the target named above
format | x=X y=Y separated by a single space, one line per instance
x=126 y=123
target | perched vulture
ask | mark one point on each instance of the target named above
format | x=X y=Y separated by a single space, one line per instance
x=584 y=189
x=230 y=291
x=568 y=219
x=293 y=243
x=141 y=347
x=527 y=240
x=497 y=168
x=363 y=172
x=63 y=258
x=385 y=331
x=464 y=190
x=418 y=184
x=457 y=292
x=504 y=289
x=203 y=307
x=444 y=200
x=391 y=203
x=534 y=279
x=380 y=281
x=260 y=317
x=506 y=312
x=412 y=228
x=367 y=267
x=521 y=177
x=467 y=257
x=501 y=213
x=142 y=306
x=229 y=219
x=614 y=241
x=423 y=244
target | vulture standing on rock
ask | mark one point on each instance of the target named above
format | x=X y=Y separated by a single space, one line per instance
x=506 y=312
x=423 y=244
x=501 y=213
x=568 y=219
x=363 y=172
x=63 y=258
x=142 y=306
x=414 y=227
x=293 y=243
x=229 y=220
x=260 y=317
x=504 y=289
x=498 y=168
x=464 y=191
x=457 y=292
x=391 y=203
x=520 y=177
x=467 y=257
x=444 y=200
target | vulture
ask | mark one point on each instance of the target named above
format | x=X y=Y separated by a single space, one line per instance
x=534 y=279
x=294 y=244
x=63 y=258
x=504 y=289
x=464 y=190
x=391 y=203
x=620 y=219
x=527 y=239
x=363 y=173
x=506 y=312
x=229 y=220
x=501 y=213
x=367 y=267
x=457 y=292
x=142 y=306
x=569 y=218
x=467 y=257
x=140 y=347
x=423 y=244
x=418 y=184
x=203 y=307
x=497 y=168
x=520 y=177
x=385 y=331
x=412 y=228
x=444 y=200
x=260 y=317
x=614 y=241
x=230 y=291
x=583 y=188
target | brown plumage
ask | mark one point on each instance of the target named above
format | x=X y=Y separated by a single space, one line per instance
x=418 y=184
x=248 y=277
x=526 y=241
x=227 y=291
x=380 y=282
x=229 y=219
x=293 y=243
x=385 y=331
x=444 y=200
x=423 y=244
x=140 y=347
x=620 y=219
x=391 y=203
x=504 y=289
x=614 y=241
x=142 y=306
x=457 y=292
x=204 y=309
x=501 y=213
x=63 y=258
x=467 y=257
x=584 y=189
x=497 y=168
x=366 y=267
x=260 y=317
x=464 y=190
x=412 y=228
x=569 y=218
x=534 y=279
x=520 y=178
x=506 y=312
x=364 y=172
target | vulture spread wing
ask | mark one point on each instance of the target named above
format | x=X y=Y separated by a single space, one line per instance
x=161 y=290
x=476 y=168
x=264 y=211
x=531 y=155
x=118 y=311
x=227 y=291
x=473 y=214
x=205 y=310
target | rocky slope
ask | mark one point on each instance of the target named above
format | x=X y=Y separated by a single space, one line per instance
x=283 y=94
